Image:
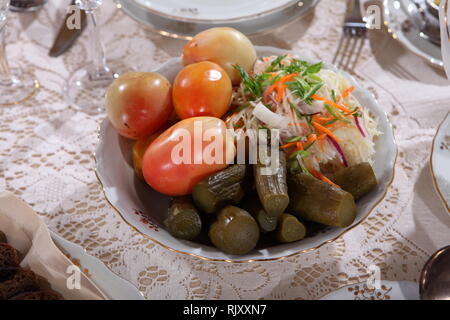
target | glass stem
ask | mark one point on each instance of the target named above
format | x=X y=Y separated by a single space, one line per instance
x=97 y=50
x=5 y=72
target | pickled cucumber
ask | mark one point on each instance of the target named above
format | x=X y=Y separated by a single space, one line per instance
x=221 y=189
x=272 y=188
x=234 y=231
x=183 y=220
x=358 y=179
x=319 y=201
x=290 y=229
x=266 y=222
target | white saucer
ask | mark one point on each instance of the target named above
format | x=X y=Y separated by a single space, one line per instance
x=184 y=22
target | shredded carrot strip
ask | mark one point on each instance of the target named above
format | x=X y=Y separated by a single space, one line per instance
x=320 y=176
x=277 y=84
x=321 y=128
x=304 y=125
x=280 y=92
x=323 y=119
x=312 y=137
x=327 y=101
x=347 y=92
x=352 y=113
x=320 y=138
x=299 y=147
x=288 y=77
x=288 y=145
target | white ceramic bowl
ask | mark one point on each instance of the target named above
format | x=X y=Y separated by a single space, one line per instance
x=144 y=209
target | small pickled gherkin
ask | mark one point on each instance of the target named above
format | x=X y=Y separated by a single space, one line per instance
x=318 y=201
x=183 y=220
x=290 y=229
x=266 y=222
x=357 y=179
x=223 y=188
x=271 y=185
x=235 y=231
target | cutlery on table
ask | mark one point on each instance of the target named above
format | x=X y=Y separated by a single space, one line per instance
x=352 y=39
x=66 y=37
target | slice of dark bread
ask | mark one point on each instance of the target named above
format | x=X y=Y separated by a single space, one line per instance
x=3 y=238
x=38 y=295
x=24 y=280
x=9 y=261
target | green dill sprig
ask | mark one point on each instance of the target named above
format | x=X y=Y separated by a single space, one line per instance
x=275 y=64
x=251 y=84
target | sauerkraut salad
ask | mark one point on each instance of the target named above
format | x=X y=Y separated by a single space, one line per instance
x=322 y=125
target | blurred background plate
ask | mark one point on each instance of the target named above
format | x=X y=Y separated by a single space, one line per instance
x=213 y=11
x=184 y=19
x=402 y=28
x=440 y=160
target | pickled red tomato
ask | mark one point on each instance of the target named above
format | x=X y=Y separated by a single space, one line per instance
x=225 y=46
x=139 y=103
x=202 y=89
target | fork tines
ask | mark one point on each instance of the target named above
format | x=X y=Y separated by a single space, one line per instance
x=352 y=39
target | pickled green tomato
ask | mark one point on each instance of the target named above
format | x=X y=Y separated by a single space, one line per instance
x=224 y=46
x=139 y=103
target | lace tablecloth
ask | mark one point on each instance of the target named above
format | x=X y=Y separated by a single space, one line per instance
x=46 y=159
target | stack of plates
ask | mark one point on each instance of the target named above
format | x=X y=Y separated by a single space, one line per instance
x=185 y=18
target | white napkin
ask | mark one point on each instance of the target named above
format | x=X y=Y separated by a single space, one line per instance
x=27 y=233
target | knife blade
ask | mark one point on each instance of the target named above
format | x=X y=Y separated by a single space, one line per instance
x=66 y=37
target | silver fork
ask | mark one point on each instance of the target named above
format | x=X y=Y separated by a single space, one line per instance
x=352 y=38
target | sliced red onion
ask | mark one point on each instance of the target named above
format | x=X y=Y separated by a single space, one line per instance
x=359 y=126
x=339 y=150
x=310 y=114
x=269 y=99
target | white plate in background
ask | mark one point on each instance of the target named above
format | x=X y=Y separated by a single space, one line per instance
x=213 y=11
x=185 y=28
x=396 y=19
x=440 y=161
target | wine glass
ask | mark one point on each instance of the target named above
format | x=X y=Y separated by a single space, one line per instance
x=85 y=89
x=15 y=86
